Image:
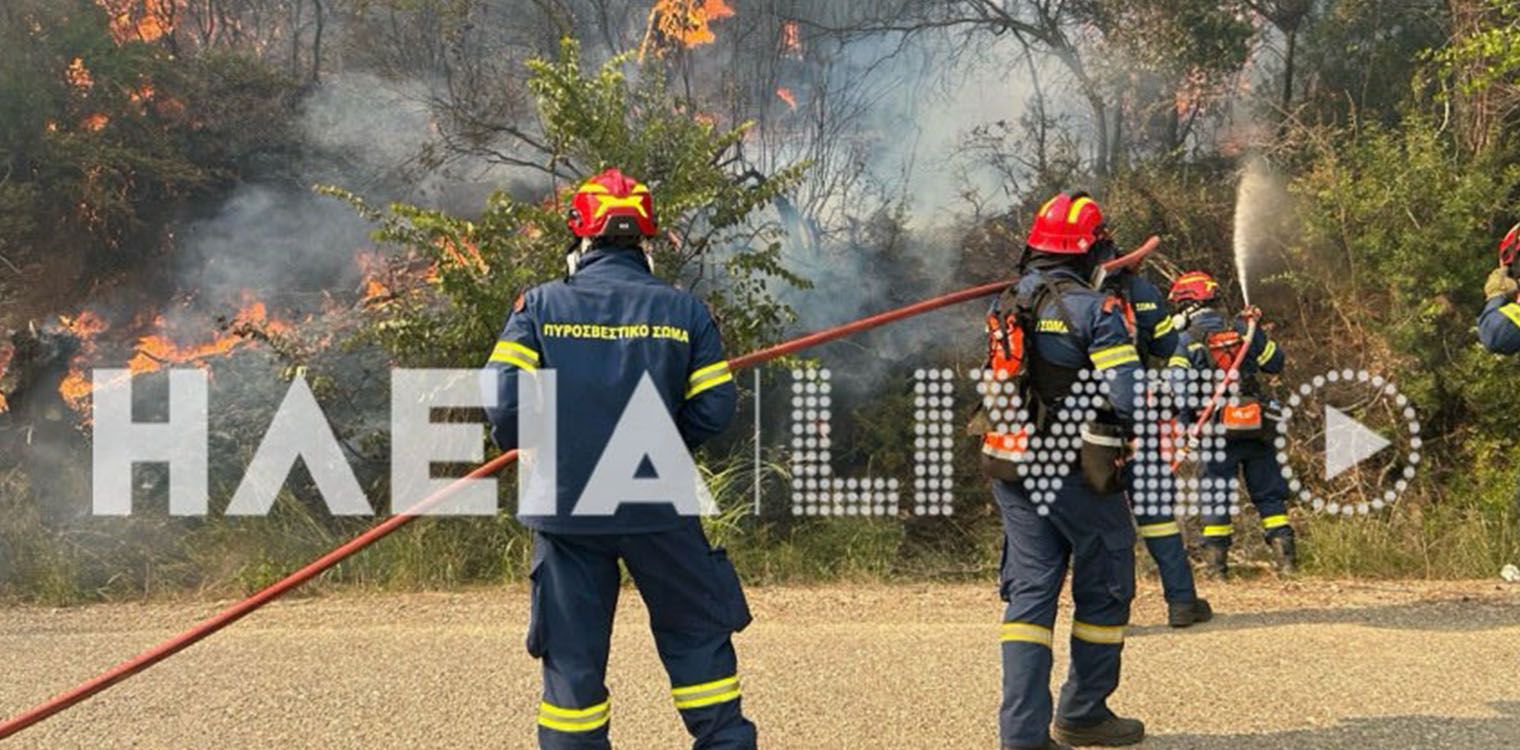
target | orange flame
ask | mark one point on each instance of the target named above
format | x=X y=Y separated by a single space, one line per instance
x=6 y=351
x=687 y=22
x=157 y=350
x=145 y=20
x=141 y=96
x=94 y=122
x=464 y=253
x=787 y=96
x=387 y=281
x=75 y=386
x=791 y=40
x=79 y=76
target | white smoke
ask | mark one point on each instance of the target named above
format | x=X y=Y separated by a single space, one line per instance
x=1261 y=210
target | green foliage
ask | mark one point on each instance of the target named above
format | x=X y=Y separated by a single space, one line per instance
x=1398 y=235
x=1361 y=55
x=1492 y=51
x=712 y=241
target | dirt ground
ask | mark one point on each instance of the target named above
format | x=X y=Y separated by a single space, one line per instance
x=1303 y=664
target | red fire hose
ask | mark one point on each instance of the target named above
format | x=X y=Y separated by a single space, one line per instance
x=245 y=607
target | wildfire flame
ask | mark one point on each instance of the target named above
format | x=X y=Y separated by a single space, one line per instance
x=791 y=40
x=787 y=96
x=389 y=280
x=145 y=20
x=75 y=387
x=94 y=122
x=6 y=351
x=157 y=350
x=464 y=254
x=78 y=75
x=686 y=22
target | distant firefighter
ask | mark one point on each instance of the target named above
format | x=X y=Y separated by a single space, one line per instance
x=1499 y=325
x=1209 y=341
x=1150 y=320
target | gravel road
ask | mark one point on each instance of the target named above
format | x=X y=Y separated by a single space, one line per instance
x=1304 y=664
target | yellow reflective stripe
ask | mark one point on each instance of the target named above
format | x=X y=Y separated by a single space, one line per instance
x=1105 y=634
x=512 y=347
x=1052 y=326
x=1163 y=328
x=574 y=719
x=1076 y=209
x=707 y=693
x=713 y=383
x=1267 y=353
x=514 y=359
x=1114 y=356
x=1512 y=311
x=1158 y=530
x=708 y=371
x=1027 y=632
x=1195 y=346
x=1224 y=530
x=1178 y=360
x=1274 y=522
x=1048 y=204
x=709 y=377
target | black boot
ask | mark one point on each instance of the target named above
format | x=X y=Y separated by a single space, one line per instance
x=1216 y=561
x=1286 y=552
x=1111 y=732
x=1183 y=614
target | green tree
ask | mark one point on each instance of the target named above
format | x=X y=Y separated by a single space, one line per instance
x=712 y=239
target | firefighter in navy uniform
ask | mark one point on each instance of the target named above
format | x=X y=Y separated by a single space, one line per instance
x=1065 y=327
x=1499 y=324
x=1154 y=506
x=603 y=329
x=1208 y=341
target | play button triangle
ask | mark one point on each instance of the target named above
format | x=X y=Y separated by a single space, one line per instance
x=1348 y=442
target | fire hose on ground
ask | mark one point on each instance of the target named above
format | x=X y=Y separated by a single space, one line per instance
x=241 y=609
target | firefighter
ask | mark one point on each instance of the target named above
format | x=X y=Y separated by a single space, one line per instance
x=605 y=329
x=1154 y=502
x=1499 y=325
x=1208 y=341
x=1070 y=327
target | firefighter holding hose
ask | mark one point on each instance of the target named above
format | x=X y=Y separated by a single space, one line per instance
x=608 y=329
x=1499 y=324
x=1210 y=342
x=1068 y=514
x=1154 y=500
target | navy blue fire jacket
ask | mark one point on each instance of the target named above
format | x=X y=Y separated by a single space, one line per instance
x=601 y=330
x=1499 y=325
x=1084 y=328
x=1153 y=316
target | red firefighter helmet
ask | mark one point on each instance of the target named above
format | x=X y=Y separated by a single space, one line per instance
x=1067 y=225
x=1194 y=286
x=612 y=204
x=1509 y=247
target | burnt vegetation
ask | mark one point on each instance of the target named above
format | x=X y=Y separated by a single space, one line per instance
x=273 y=189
